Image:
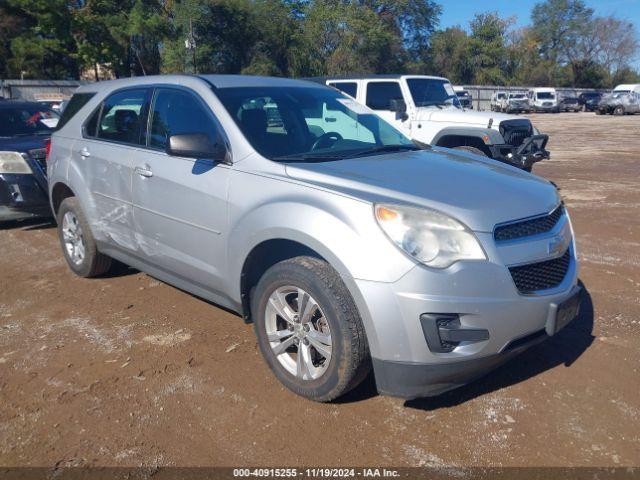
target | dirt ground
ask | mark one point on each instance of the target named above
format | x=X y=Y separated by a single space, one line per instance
x=129 y=371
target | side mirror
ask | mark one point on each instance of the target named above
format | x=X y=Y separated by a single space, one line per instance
x=196 y=145
x=397 y=105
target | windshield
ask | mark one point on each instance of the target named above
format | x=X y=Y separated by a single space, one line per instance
x=26 y=120
x=501 y=95
x=427 y=92
x=617 y=93
x=517 y=95
x=546 y=95
x=308 y=123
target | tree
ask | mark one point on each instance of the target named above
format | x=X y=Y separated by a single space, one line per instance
x=560 y=26
x=614 y=43
x=11 y=25
x=487 y=48
x=339 y=38
x=450 y=55
x=43 y=46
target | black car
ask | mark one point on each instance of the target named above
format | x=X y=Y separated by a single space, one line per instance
x=25 y=129
x=465 y=98
x=589 y=100
x=570 y=104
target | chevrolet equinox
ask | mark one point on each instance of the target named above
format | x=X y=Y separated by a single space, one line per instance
x=346 y=245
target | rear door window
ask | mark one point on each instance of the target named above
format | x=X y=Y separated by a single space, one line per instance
x=176 y=112
x=380 y=94
x=122 y=117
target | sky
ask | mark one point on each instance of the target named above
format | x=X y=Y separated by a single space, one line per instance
x=459 y=12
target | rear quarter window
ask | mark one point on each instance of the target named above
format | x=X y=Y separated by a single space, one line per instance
x=78 y=100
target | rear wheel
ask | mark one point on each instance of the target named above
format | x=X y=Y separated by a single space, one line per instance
x=619 y=110
x=309 y=329
x=78 y=245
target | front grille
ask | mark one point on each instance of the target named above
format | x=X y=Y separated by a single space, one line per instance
x=527 y=228
x=541 y=275
x=40 y=156
x=514 y=132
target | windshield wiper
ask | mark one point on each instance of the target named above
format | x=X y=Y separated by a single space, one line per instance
x=382 y=149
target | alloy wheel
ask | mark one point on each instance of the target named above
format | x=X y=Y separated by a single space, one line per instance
x=73 y=238
x=298 y=332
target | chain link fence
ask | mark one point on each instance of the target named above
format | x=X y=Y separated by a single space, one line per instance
x=481 y=94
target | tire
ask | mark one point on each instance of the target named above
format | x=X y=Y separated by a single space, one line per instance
x=619 y=110
x=469 y=149
x=77 y=242
x=349 y=360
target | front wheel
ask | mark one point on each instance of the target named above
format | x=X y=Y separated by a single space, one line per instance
x=619 y=110
x=469 y=149
x=309 y=329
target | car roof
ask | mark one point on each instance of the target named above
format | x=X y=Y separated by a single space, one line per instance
x=19 y=103
x=215 y=81
x=364 y=76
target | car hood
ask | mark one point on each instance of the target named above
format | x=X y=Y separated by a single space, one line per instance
x=459 y=116
x=479 y=192
x=22 y=144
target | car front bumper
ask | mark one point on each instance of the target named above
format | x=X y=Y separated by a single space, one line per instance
x=532 y=150
x=482 y=297
x=545 y=108
x=22 y=197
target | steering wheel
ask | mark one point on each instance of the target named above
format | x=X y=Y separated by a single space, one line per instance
x=323 y=139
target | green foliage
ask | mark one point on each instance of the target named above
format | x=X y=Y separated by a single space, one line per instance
x=487 y=48
x=565 y=44
x=451 y=56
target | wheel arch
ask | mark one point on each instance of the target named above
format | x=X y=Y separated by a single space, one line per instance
x=268 y=252
x=456 y=140
x=59 y=192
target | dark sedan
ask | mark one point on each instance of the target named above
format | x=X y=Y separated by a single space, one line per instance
x=25 y=128
x=589 y=100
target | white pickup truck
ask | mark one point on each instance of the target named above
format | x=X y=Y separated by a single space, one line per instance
x=428 y=111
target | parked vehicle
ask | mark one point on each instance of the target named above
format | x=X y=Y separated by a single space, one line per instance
x=543 y=100
x=589 y=100
x=427 y=110
x=342 y=242
x=628 y=87
x=495 y=103
x=25 y=128
x=51 y=104
x=619 y=102
x=569 y=103
x=465 y=98
x=515 y=102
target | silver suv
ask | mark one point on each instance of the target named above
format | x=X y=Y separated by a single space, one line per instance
x=346 y=245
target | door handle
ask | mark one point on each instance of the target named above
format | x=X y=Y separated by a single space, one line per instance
x=144 y=171
x=84 y=152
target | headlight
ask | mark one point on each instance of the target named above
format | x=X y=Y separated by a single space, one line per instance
x=13 y=162
x=428 y=236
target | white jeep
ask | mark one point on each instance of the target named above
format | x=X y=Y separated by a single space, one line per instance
x=428 y=110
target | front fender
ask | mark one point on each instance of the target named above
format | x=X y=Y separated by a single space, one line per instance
x=344 y=234
x=494 y=137
x=343 y=231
